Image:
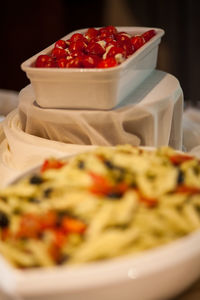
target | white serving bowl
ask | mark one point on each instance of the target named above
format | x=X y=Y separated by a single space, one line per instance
x=93 y=88
x=157 y=274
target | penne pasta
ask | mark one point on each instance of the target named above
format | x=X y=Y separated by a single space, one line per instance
x=105 y=203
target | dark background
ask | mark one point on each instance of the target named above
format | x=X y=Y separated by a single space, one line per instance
x=27 y=27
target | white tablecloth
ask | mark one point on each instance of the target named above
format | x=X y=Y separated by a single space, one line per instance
x=152 y=116
x=191 y=130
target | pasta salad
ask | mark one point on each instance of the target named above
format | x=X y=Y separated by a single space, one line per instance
x=105 y=203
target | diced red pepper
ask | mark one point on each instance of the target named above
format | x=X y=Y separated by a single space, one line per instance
x=121 y=188
x=30 y=226
x=101 y=185
x=5 y=234
x=48 y=220
x=71 y=225
x=183 y=189
x=54 y=251
x=178 y=159
x=60 y=237
x=150 y=202
x=52 y=163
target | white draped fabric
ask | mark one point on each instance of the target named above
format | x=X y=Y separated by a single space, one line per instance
x=150 y=117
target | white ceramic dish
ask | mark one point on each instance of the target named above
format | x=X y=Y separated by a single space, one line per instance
x=160 y=273
x=157 y=274
x=93 y=88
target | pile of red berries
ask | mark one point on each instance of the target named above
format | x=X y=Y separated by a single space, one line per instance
x=96 y=48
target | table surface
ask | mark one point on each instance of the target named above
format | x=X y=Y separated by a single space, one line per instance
x=193 y=293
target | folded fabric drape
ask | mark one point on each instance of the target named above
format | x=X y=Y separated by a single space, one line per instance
x=151 y=117
x=20 y=151
x=191 y=130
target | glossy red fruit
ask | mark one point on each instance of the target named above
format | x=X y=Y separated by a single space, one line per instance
x=115 y=50
x=111 y=29
x=128 y=47
x=62 y=62
x=112 y=42
x=107 y=63
x=106 y=34
x=78 y=37
x=76 y=54
x=122 y=37
x=91 y=33
x=78 y=46
x=108 y=39
x=90 y=61
x=125 y=43
x=51 y=64
x=75 y=62
x=96 y=39
x=61 y=44
x=108 y=31
x=137 y=41
x=124 y=33
x=44 y=61
x=95 y=48
x=148 y=34
x=58 y=53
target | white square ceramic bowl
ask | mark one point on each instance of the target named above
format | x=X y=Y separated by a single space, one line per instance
x=93 y=88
